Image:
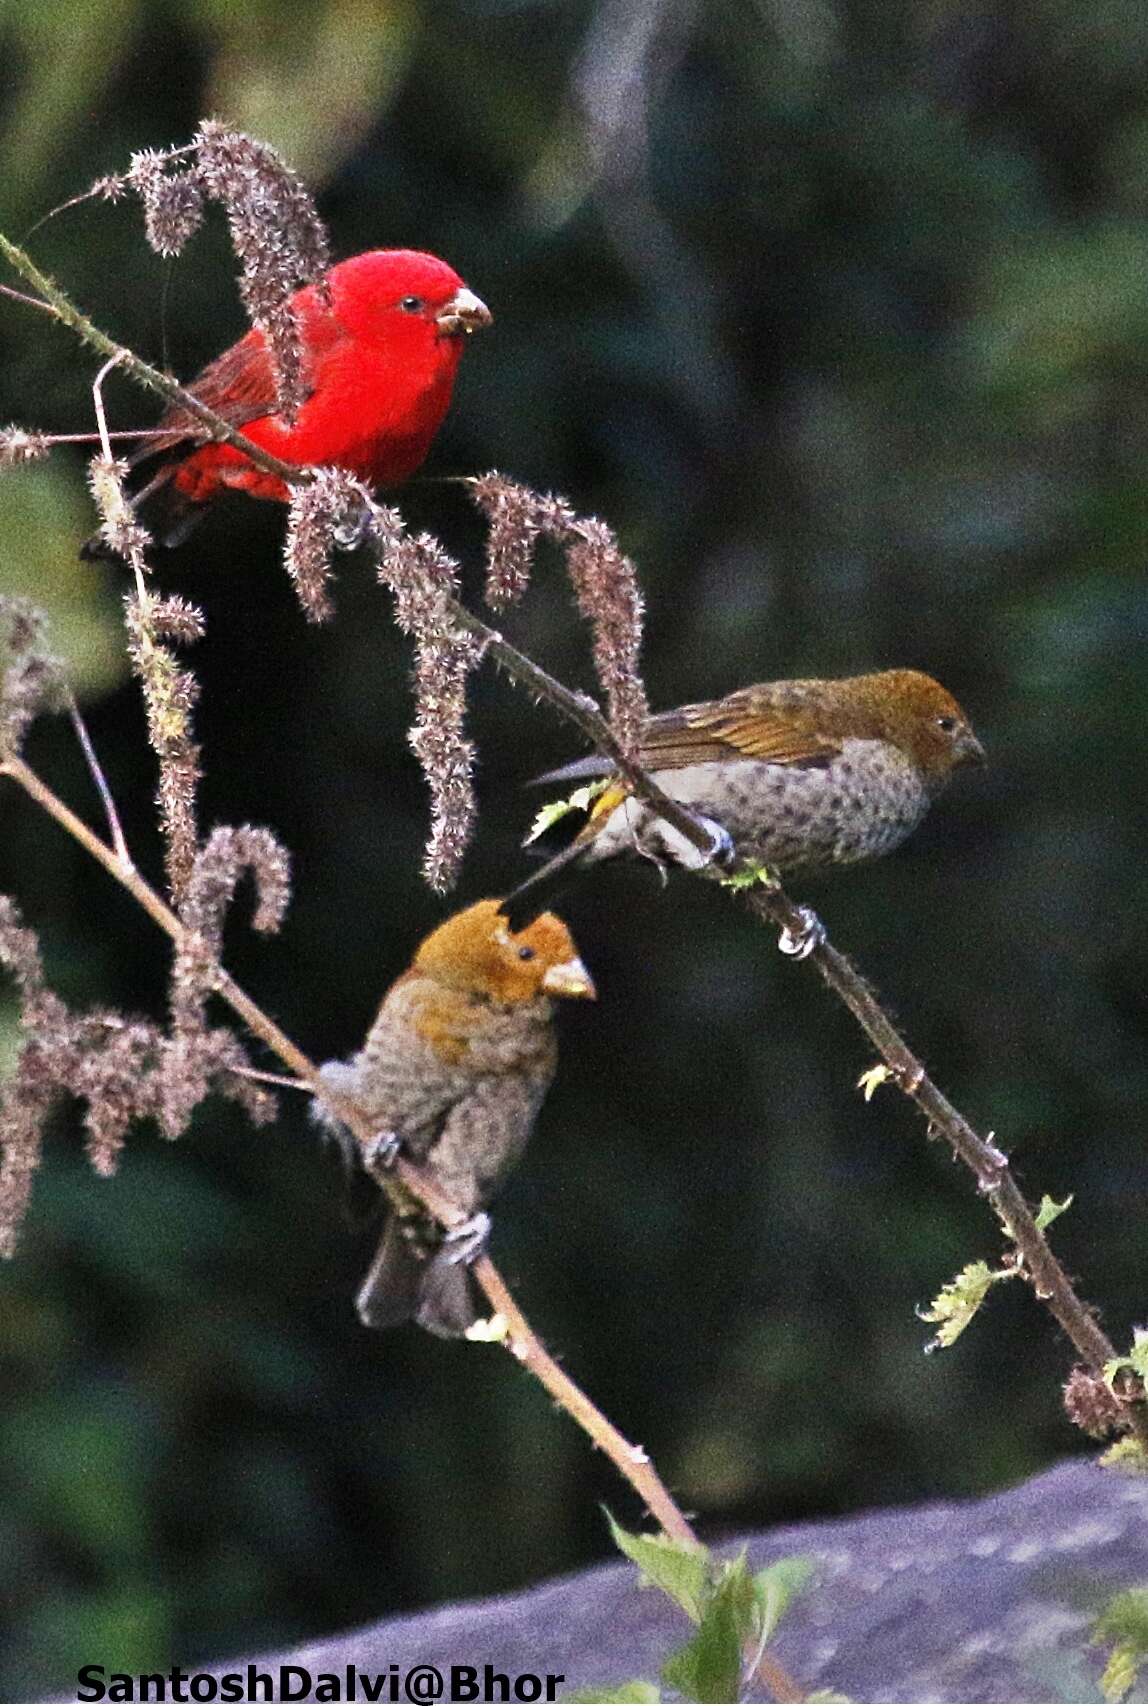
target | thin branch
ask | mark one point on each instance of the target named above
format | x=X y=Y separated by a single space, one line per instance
x=98 y=402
x=125 y=436
x=521 y=1340
x=65 y=310
x=581 y=710
x=279 y=1079
x=984 y=1160
x=987 y=1164
x=95 y=770
x=28 y=301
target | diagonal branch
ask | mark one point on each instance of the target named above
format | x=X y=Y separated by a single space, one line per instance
x=520 y=1339
x=773 y=906
x=150 y=378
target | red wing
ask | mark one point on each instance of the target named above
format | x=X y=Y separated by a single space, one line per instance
x=743 y=725
x=238 y=385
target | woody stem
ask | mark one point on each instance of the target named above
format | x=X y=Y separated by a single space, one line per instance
x=61 y=305
x=630 y=1460
x=987 y=1164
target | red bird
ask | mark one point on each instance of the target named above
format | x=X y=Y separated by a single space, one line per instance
x=455 y=1069
x=380 y=355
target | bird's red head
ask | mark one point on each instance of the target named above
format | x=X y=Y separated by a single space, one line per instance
x=403 y=298
x=476 y=951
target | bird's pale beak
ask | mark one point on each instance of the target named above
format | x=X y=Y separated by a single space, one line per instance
x=571 y=979
x=969 y=749
x=464 y=313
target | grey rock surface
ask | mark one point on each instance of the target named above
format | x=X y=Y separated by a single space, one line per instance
x=975 y=1600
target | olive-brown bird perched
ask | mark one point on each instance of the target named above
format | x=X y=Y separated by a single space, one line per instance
x=455 y=1067
x=798 y=775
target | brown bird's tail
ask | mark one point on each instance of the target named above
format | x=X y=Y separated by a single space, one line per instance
x=407 y=1283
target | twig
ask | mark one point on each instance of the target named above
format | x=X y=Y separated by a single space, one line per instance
x=630 y=1460
x=95 y=770
x=65 y=310
x=28 y=301
x=987 y=1164
x=279 y=1079
x=98 y=401
x=122 y=437
x=581 y=710
x=984 y=1160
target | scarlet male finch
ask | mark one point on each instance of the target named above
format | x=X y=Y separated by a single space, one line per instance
x=380 y=355
x=800 y=775
x=456 y=1066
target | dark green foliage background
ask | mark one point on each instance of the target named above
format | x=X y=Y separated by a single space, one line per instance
x=858 y=371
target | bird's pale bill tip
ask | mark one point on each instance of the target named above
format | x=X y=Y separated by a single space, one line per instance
x=465 y=312
x=971 y=750
x=570 y=978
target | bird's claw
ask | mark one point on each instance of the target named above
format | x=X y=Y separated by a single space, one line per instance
x=799 y=944
x=352 y=528
x=683 y=851
x=467 y=1241
x=381 y=1151
x=721 y=848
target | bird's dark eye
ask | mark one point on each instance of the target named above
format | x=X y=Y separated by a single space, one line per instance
x=412 y=304
x=526 y=953
x=949 y=724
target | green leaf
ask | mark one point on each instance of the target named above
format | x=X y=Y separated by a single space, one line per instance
x=1124 y=1621
x=1120 y=1672
x=1127 y=1455
x=679 y=1569
x=736 y=1583
x=774 y=1588
x=959 y=1301
x=871 y=1081
x=1050 y=1211
x=579 y=801
x=749 y=875
x=708 y=1668
x=1125 y=1618
x=1136 y=1360
x=641 y=1693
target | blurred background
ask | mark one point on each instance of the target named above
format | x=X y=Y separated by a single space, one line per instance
x=838 y=312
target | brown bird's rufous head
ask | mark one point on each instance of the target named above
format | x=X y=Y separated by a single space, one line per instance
x=807 y=722
x=916 y=714
x=477 y=952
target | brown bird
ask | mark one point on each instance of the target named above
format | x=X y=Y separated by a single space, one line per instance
x=455 y=1068
x=797 y=775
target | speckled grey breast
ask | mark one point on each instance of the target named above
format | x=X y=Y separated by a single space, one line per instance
x=859 y=805
x=469 y=1122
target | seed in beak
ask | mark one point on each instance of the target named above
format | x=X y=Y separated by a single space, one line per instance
x=465 y=312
